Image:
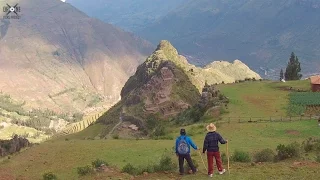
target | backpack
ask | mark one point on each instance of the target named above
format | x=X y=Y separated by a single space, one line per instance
x=183 y=147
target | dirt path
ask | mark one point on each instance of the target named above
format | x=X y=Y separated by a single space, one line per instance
x=120 y=121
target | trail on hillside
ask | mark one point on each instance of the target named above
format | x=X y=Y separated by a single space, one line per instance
x=120 y=121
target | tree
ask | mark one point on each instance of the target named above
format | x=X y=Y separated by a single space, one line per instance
x=281 y=75
x=293 y=68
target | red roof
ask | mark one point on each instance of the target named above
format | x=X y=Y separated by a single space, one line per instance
x=315 y=79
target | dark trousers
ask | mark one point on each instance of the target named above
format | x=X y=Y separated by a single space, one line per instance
x=181 y=161
x=217 y=156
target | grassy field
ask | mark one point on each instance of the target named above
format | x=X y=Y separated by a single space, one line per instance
x=259 y=99
x=62 y=156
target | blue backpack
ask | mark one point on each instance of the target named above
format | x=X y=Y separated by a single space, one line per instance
x=183 y=147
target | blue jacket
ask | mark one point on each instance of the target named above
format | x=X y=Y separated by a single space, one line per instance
x=189 y=141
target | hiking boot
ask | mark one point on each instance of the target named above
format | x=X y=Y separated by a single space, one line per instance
x=194 y=172
x=210 y=175
x=222 y=172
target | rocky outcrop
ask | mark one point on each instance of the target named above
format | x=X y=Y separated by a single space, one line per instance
x=216 y=72
x=14 y=145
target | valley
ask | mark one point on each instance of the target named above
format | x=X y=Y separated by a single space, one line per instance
x=84 y=96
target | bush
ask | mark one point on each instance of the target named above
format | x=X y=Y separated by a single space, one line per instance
x=241 y=156
x=49 y=176
x=148 y=169
x=266 y=155
x=128 y=168
x=318 y=158
x=115 y=136
x=311 y=144
x=289 y=151
x=98 y=162
x=165 y=164
x=84 y=170
x=224 y=157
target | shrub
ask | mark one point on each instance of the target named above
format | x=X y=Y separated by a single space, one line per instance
x=318 y=158
x=165 y=164
x=148 y=169
x=128 y=168
x=159 y=131
x=224 y=157
x=311 y=144
x=241 y=156
x=98 y=162
x=289 y=151
x=115 y=136
x=49 y=176
x=84 y=170
x=221 y=97
x=265 y=155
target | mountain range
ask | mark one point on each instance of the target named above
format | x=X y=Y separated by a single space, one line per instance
x=57 y=57
x=260 y=33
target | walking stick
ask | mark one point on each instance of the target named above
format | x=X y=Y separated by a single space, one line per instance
x=203 y=161
x=228 y=157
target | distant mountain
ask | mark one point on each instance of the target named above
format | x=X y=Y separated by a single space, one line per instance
x=131 y=15
x=57 y=57
x=262 y=33
x=166 y=85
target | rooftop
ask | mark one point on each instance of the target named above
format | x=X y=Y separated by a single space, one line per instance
x=315 y=79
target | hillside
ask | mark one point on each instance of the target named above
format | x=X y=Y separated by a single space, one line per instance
x=61 y=59
x=127 y=14
x=164 y=86
x=63 y=156
x=215 y=72
x=261 y=33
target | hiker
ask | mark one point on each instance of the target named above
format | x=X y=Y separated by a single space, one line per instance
x=183 y=143
x=210 y=145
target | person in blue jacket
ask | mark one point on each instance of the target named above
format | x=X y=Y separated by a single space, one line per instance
x=183 y=143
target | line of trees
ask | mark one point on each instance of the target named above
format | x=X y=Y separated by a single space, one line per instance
x=293 y=69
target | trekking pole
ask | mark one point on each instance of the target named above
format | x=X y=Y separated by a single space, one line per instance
x=228 y=157
x=203 y=161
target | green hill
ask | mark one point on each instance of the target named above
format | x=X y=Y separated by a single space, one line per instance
x=164 y=86
x=63 y=156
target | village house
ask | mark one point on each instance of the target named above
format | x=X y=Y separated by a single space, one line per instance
x=315 y=83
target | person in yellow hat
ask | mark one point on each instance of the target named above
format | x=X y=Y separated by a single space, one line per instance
x=210 y=145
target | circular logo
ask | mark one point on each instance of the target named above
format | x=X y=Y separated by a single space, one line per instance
x=12 y=9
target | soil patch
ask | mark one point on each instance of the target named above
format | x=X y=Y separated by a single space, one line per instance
x=293 y=132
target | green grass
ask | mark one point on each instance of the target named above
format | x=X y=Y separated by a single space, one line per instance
x=62 y=157
x=257 y=99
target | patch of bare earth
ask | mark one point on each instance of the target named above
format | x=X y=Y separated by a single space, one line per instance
x=5 y=174
x=304 y=163
x=293 y=132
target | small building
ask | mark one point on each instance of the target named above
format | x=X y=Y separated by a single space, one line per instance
x=315 y=83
